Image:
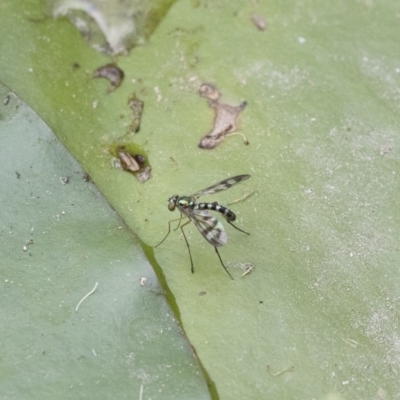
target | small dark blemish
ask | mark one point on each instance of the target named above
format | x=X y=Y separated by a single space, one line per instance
x=259 y=22
x=86 y=177
x=111 y=72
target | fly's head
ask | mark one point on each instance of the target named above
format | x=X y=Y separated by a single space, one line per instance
x=172 y=202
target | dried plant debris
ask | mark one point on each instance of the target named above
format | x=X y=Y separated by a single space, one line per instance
x=224 y=120
x=136 y=106
x=144 y=174
x=209 y=91
x=387 y=148
x=259 y=22
x=129 y=162
x=111 y=72
x=86 y=177
x=64 y=180
x=246 y=267
x=276 y=374
x=133 y=163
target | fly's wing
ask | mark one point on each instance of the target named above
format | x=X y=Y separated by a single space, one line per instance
x=209 y=226
x=223 y=185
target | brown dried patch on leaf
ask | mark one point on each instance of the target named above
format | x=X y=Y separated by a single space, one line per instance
x=225 y=118
x=209 y=91
x=111 y=72
x=136 y=106
x=134 y=163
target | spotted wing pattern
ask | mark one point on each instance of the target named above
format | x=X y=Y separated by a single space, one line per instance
x=209 y=226
x=223 y=185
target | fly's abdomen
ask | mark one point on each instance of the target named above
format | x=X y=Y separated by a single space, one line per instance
x=228 y=214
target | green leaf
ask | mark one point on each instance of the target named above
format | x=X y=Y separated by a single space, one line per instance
x=60 y=239
x=322 y=121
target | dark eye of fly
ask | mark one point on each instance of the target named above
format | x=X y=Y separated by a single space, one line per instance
x=172 y=203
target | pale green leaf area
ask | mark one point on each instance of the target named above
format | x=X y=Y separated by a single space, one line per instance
x=60 y=238
x=321 y=82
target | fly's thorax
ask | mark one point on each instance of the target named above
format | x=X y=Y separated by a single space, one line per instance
x=172 y=202
x=185 y=202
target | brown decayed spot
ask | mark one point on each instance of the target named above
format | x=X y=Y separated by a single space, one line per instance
x=225 y=118
x=134 y=163
x=111 y=72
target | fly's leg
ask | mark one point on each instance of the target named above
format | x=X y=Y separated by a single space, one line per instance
x=247 y=233
x=220 y=259
x=187 y=244
x=169 y=228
